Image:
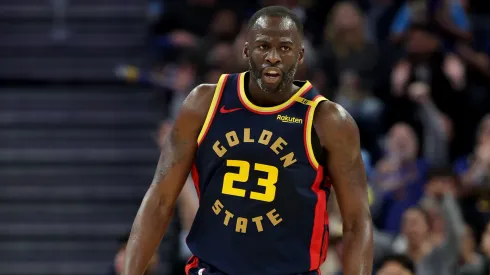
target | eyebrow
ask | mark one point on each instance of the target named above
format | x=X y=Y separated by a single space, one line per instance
x=283 y=40
x=286 y=40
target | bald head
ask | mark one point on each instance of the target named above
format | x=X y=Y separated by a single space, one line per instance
x=262 y=17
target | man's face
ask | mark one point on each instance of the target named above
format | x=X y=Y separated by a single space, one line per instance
x=274 y=50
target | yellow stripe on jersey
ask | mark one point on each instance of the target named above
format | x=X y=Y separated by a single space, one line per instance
x=213 y=107
x=304 y=101
x=279 y=107
x=308 y=130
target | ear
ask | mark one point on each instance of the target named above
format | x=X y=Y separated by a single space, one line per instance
x=301 y=56
x=246 y=52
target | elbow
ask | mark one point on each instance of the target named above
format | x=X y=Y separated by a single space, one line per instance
x=158 y=205
x=165 y=208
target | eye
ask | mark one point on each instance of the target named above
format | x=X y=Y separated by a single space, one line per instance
x=262 y=47
x=285 y=48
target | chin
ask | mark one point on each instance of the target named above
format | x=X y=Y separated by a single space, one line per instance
x=264 y=87
x=271 y=90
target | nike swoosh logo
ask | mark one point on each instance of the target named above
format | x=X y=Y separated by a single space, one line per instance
x=226 y=111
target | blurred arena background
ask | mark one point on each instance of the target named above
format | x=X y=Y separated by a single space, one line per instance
x=89 y=89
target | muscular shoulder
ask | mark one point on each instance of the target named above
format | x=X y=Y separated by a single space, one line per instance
x=193 y=112
x=199 y=99
x=335 y=126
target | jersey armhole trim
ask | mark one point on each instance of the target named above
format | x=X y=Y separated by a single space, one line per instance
x=213 y=107
x=308 y=129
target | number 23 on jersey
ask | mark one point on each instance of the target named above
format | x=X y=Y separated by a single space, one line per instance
x=243 y=174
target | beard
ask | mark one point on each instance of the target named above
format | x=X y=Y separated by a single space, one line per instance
x=287 y=77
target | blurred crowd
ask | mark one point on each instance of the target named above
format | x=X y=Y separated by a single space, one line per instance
x=414 y=74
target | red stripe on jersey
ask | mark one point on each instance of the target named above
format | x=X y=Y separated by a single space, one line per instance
x=195 y=179
x=319 y=221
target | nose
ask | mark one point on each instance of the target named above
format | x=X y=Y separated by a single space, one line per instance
x=273 y=57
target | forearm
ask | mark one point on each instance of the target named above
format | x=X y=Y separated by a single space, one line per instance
x=454 y=222
x=358 y=248
x=435 y=138
x=148 y=230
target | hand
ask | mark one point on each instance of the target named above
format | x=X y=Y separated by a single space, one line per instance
x=182 y=38
x=454 y=70
x=399 y=77
x=419 y=92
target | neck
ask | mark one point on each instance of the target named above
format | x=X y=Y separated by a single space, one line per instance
x=261 y=98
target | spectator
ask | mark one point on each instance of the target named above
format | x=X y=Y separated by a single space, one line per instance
x=436 y=126
x=447 y=16
x=346 y=47
x=397 y=264
x=399 y=177
x=475 y=169
x=183 y=23
x=349 y=61
x=432 y=232
x=485 y=248
x=471 y=262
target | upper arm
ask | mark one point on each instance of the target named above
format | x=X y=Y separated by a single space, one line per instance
x=179 y=149
x=339 y=136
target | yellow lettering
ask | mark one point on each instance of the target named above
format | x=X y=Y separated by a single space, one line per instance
x=232 y=138
x=219 y=149
x=229 y=215
x=274 y=217
x=288 y=159
x=258 y=223
x=246 y=135
x=265 y=137
x=217 y=207
x=278 y=145
x=241 y=225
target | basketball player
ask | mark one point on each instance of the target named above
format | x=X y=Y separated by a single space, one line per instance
x=263 y=150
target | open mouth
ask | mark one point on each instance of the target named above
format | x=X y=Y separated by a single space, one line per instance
x=272 y=76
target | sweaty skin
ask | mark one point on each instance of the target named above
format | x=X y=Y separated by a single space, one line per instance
x=339 y=135
x=275 y=42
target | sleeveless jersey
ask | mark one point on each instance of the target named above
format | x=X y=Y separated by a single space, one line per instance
x=262 y=191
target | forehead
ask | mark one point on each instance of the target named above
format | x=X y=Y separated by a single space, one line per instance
x=274 y=27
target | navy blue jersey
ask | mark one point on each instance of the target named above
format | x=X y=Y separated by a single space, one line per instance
x=262 y=191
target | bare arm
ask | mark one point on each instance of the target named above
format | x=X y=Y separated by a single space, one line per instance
x=435 y=136
x=339 y=135
x=173 y=168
